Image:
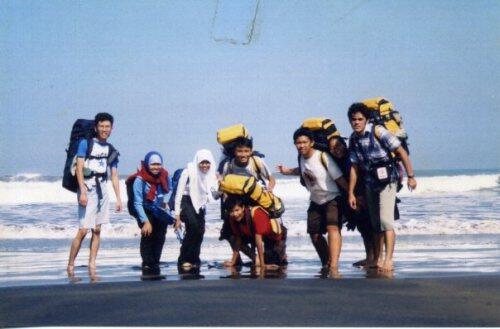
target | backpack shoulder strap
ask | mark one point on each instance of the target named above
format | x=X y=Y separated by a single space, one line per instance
x=377 y=131
x=257 y=164
x=249 y=221
x=254 y=209
x=220 y=168
x=258 y=167
x=90 y=145
x=230 y=166
x=302 y=181
x=324 y=160
x=113 y=154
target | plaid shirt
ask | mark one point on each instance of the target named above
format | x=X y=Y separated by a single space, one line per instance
x=367 y=150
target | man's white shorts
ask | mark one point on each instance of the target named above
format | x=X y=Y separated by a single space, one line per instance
x=97 y=211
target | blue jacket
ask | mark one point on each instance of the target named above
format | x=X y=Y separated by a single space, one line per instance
x=141 y=189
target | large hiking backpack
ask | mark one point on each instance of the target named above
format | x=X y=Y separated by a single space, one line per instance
x=175 y=183
x=228 y=137
x=382 y=113
x=129 y=183
x=254 y=193
x=82 y=129
x=323 y=130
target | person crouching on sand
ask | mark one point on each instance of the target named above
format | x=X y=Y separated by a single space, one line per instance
x=150 y=185
x=196 y=187
x=253 y=226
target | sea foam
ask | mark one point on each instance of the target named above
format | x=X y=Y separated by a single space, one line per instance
x=36 y=189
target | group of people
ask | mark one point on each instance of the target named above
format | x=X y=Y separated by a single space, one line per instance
x=354 y=183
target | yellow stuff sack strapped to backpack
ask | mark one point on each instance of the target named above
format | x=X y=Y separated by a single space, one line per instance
x=327 y=125
x=229 y=134
x=254 y=192
x=382 y=112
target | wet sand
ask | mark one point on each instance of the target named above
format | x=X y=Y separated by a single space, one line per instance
x=452 y=301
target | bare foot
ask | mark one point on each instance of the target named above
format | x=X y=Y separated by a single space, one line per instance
x=361 y=263
x=334 y=273
x=70 y=270
x=186 y=266
x=372 y=264
x=387 y=266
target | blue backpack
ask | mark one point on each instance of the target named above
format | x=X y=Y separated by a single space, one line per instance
x=175 y=182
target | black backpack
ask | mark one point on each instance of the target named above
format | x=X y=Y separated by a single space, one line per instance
x=82 y=129
x=175 y=182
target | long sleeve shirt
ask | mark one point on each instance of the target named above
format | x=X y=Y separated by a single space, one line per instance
x=141 y=189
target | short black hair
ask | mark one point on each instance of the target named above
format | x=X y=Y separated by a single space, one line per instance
x=233 y=201
x=243 y=142
x=303 y=132
x=358 y=108
x=103 y=116
x=340 y=139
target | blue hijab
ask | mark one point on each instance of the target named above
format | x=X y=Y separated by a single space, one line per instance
x=152 y=157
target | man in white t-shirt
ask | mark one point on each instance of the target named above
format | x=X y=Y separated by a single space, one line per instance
x=322 y=178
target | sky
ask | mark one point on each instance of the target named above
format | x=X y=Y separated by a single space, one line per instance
x=173 y=72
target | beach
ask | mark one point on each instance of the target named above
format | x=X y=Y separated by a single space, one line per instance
x=459 y=301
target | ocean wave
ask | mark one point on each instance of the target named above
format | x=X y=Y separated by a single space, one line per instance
x=37 y=189
x=126 y=228
x=29 y=177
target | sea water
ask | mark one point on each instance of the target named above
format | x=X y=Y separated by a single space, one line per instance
x=450 y=225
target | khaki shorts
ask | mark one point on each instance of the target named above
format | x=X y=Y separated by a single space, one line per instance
x=381 y=207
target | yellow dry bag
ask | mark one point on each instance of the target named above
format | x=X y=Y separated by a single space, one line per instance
x=249 y=188
x=231 y=133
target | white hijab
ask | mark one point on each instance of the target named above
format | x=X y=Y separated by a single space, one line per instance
x=201 y=184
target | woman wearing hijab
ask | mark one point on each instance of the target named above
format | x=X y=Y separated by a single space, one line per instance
x=197 y=186
x=150 y=185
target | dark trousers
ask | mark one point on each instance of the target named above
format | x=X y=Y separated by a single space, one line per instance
x=195 y=230
x=152 y=245
x=275 y=251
